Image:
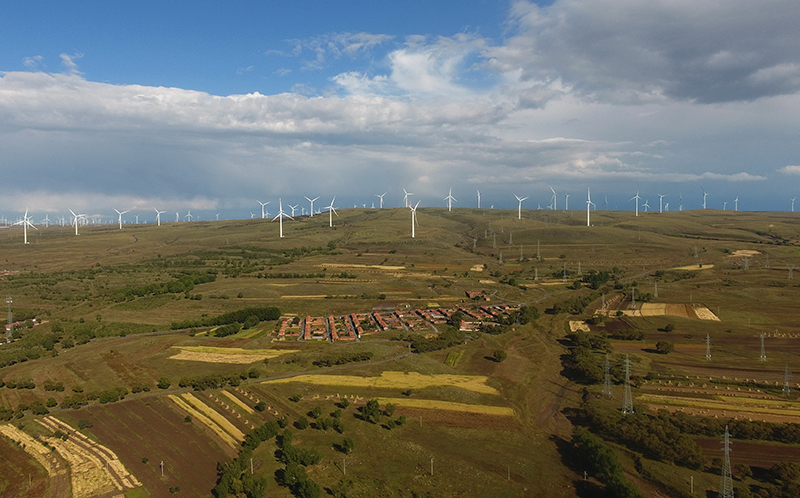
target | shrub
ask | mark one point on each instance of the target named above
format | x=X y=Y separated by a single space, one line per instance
x=164 y=383
x=261 y=406
x=84 y=424
x=499 y=355
x=664 y=347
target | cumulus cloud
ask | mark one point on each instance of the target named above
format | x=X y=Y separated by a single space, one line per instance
x=790 y=170
x=68 y=61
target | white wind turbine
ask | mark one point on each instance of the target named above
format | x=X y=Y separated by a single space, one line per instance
x=158 y=215
x=414 y=219
x=661 y=202
x=566 y=201
x=519 y=210
x=450 y=200
x=589 y=204
x=554 y=198
x=704 y=197
x=724 y=205
x=281 y=215
x=177 y=217
x=120 y=213
x=312 y=205
x=331 y=212
x=381 y=198
x=680 y=203
x=189 y=216
x=479 y=199
x=46 y=221
x=76 y=219
x=736 y=203
x=646 y=205
x=25 y=222
x=263 y=205
x=293 y=208
x=405 y=197
x=793 y=198
x=636 y=197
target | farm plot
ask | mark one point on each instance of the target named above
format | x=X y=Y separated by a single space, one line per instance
x=21 y=476
x=94 y=469
x=241 y=404
x=396 y=380
x=430 y=404
x=238 y=356
x=146 y=432
x=34 y=448
x=759 y=454
x=745 y=407
x=210 y=418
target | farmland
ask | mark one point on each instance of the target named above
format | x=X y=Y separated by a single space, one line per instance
x=151 y=348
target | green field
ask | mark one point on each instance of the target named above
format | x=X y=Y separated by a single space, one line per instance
x=108 y=304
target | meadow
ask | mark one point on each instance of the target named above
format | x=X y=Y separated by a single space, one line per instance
x=108 y=346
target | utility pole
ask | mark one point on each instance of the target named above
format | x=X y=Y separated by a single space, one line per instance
x=10 y=319
x=627 y=398
x=708 y=347
x=763 y=351
x=607 y=392
x=787 y=376
x=726 y=479
x=162 y=468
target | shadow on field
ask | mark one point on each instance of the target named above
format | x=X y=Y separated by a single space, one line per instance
x=570 y=459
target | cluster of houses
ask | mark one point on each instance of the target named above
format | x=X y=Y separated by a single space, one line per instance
x=353 y=326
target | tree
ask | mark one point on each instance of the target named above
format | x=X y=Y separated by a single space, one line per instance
x=664 y=347
x=302 y=423
x=371 y=411
x=163 y=383
x=499 y=355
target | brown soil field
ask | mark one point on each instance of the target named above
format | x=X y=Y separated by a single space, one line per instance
x=21 y=476
x=462 y=420
x=758 y=454
x=149 y=427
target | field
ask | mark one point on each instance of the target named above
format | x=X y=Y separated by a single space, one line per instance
x=109 y=307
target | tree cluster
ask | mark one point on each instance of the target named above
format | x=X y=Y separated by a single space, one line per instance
x=342 y=358
x=261 y=313
x=602 y=463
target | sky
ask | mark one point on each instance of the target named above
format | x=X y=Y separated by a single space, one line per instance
x=212 y=107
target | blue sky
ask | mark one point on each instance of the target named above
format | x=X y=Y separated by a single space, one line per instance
x=211 y=106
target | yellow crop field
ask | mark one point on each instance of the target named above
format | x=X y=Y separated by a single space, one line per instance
x=215 y=416
x=766 y=407
x=238 y=356
x=216 y=429
x=397 y=380
x=34 y=448
x=502 y=411
x=238 y=402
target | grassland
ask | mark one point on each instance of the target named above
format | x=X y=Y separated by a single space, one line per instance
x=104 y=327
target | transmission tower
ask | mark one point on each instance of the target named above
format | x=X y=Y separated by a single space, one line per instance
x=10 y=319
x=787 y=376
x=763 y=351
x=708 y=347
x=627 y=399
x=726 y=480
x=655 y=291
x=607 y=392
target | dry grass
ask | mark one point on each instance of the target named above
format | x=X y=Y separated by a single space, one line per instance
x=397 y=380
x=501 y=411
x=34 y=448
x=216 y=429
x=215 y=416
x=733 y=404
x=238 y=402
x=237 y=356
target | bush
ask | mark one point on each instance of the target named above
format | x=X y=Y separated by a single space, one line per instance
x=664 y=347
x=261 y=406
x=301 y=423
x=164 y=383
x=499 y=355
x=84 y=424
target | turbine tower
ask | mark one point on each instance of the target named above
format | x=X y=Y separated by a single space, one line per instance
x=381 y=198
x=450 y=200
x=705 y=194
x=414 y=219
x=263 y=205
x=708 y=347
x=519 y=209
x=627 y=399
x=312 y=205
x=479 y=199
x=119 y=214
x=589 y=204
x=726 y=479
x=736 y=204
x=293 y=208
x=793 y=198
x=787 y=376
x=661 y=203
x=158 y=216
x=25 y=222
x=636 y=198
x=281 y=215
x=405 y=197
x=76 y=219
x=566 y=201
x=331 y=212
x=555 y=198
x=763 y=351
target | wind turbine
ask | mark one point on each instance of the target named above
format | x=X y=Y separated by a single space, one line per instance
x=646 y=205
x=25 y=222
x=589 y=204
x=77 y=218
x=736 y=204
x=331 y=212
x=405 y=197
x=704 y=197
x=724 y=205
x=46 y=221
x=120 y=213
x=793 y=198
x=252 y=215
x=636 y=197
x=566 y=201
x=555 y=198
x=263 y=204
x=479 y=199
x=414 y=219
x=312 y=205
x=189 y=216
x=680 y=203
x=661 y=203
x=281 y=215
x=519 y=210
x=381 y=198
x=293 y=208
x=177 y=217
x=450 y=200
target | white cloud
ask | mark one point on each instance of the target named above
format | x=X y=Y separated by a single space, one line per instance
x=68 y=61
x=790 y=170
x=332 y=46
x=32 y=62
